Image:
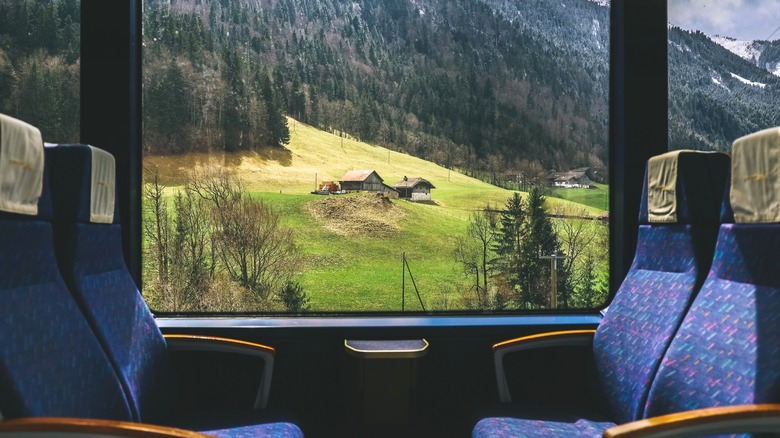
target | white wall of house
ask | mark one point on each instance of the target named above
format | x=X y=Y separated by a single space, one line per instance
x=421 y=194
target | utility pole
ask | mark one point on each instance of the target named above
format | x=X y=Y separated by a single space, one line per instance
x=553 y=258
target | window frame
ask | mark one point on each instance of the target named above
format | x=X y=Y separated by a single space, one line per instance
x=111 y=118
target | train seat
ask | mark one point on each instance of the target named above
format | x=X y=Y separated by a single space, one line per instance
x=89 y=250
x=727 y=350
x=41 y=325
x=679 y=218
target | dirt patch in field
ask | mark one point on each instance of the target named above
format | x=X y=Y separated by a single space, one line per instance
x=367 y=214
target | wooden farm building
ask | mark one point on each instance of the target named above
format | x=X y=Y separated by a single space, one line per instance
x=366 y=181
x=570 y=179
x=416 y=189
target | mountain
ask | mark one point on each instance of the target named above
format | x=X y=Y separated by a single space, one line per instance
x=720 y=89
x=490 y=84
x=763 y=54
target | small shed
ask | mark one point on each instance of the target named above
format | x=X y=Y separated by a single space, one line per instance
x=416 y=189
x=365 y=181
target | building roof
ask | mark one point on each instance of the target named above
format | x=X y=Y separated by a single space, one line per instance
x=566 y=176
x=410 y=183
x=359 y=175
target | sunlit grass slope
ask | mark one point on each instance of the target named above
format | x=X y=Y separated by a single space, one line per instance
x=361 y=271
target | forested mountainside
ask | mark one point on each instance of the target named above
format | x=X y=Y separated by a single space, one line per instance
x=717 y=96
x=39 y=65
x=461 y=83
x=490 y=84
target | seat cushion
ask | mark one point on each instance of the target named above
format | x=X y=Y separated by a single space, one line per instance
x=542 y=422
x=243 y=423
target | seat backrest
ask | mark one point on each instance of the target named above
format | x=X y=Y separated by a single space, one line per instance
x=679 y=216
x=51 y=364
x=89 y=249
x=727 y=350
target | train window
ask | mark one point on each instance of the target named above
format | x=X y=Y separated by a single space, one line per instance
x=724 y=71
x=375 y=156
x=39 y=65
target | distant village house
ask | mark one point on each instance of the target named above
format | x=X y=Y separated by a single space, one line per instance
x=415 y=189
x=366 y=181
x=570 y=179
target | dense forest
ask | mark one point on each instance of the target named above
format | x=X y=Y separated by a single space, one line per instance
x=479 y=85
x=715 y=96
x=464 y=83
x=39 y=65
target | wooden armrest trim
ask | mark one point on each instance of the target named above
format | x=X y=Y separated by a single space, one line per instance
x=87 y=426
x=575 y=335
x=720 y=420
x=185 y=342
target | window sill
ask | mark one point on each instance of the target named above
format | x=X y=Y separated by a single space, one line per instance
x=563 y=320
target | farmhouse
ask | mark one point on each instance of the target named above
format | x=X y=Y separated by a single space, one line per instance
x=570 y=179
x=416 y=189
x=366 y=181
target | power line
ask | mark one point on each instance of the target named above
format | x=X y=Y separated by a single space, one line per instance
x=770 y=35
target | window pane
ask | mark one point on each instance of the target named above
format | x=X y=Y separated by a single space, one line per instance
x=724 y=71
x=39 y=65
x=375 y=155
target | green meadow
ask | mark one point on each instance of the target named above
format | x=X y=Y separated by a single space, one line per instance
x=353 y=244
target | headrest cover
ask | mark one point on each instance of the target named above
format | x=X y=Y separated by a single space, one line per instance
x=755 y=177
x=21 y=166
x=662 y=188
x=102 y=196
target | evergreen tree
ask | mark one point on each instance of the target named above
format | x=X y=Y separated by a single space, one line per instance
x=541 y=241
x=509 y=241
x=277 y=122
x=167 y=108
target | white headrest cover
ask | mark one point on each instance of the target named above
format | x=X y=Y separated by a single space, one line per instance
x=103 y=183
x=21 y=166
x=662 y=188
x=755 y=177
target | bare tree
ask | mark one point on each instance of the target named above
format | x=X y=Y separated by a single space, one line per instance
x=157 y=231
x=583 y=245
x=475 y=254
x=254 y=248
x=217 y=185
x=191 y=267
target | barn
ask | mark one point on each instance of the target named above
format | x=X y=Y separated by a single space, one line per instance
x=570 y=179
x=416 y=189
x=366 y=181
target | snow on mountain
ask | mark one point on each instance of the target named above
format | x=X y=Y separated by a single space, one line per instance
x=601 y=2
x=747 y=82
x=744 y=49
x=749 y=50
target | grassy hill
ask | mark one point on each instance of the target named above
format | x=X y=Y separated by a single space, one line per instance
x=353 y=244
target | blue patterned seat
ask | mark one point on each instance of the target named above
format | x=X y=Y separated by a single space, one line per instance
x=89 y=247
x=51 y=364
x=679 y=217
x=727 y=350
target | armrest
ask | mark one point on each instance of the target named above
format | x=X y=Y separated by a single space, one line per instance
x=226 y=345
x=567 y=338
x=710 y=421
x=46 y=426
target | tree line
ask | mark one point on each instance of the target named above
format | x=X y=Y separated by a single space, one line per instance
x=506 y=254
x=39 y=65
x=446 y=91
x=217 y=249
